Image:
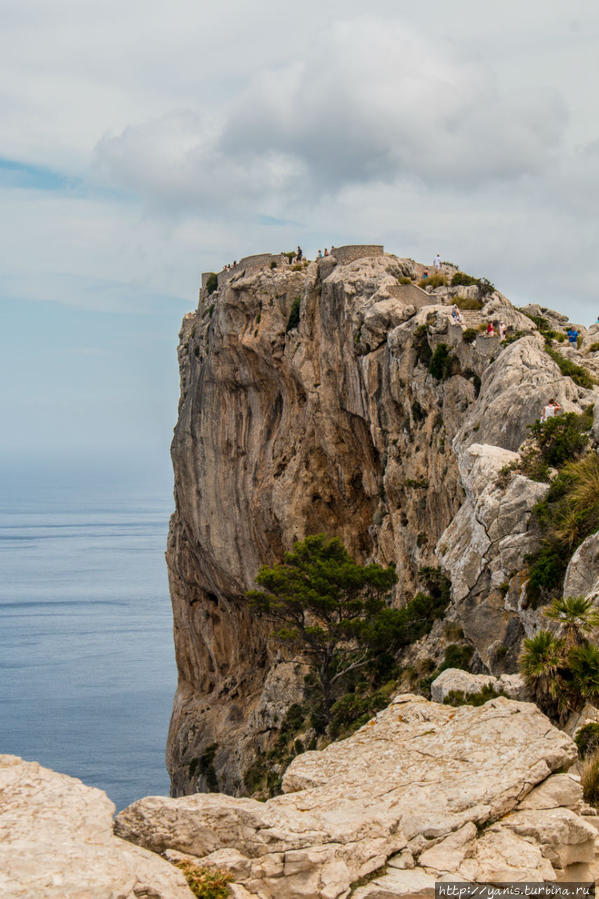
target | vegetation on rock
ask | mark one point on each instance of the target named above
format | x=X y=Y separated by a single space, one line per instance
x=579 y=375
x=587 y=739
x=461 y=279
x=562 y=669
x=336 y=614
x=468 y=303
x=205 y=883
x=458 y=697
x=211 y=283
x=443 y=364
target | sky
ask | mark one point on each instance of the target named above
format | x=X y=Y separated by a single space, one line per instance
x=144 y=143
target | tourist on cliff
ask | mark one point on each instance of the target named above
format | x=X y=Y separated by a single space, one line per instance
x=572 y=336
x=299 y=254
x=490 y=330
x=437 y=263
x=320 y=254
x=502 y=330
x=550 y=410
x=456 y=315
x=326 y=252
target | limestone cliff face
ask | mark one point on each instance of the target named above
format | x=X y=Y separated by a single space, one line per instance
x=337 y=426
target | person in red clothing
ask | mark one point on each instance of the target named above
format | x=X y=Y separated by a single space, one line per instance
x=490 y=330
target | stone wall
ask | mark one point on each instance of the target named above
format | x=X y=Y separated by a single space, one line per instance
x=343 y=255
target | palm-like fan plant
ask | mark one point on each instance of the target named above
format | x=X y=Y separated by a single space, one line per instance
x=577 y=617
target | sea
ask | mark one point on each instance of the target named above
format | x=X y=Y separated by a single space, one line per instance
x=87 y=669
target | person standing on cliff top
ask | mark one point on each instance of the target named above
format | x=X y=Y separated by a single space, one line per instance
x=437 y=263
x=299 y=254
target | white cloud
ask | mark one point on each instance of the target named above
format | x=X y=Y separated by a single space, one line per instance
x=369 y=101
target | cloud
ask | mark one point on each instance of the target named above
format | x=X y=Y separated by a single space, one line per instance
x=370 y=101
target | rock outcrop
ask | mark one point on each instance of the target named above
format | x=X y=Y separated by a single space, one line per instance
x=307 y=406
x=455 y=680
x=422 y=792
x=56 y=842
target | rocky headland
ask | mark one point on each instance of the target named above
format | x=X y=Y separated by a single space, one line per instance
x=308 y=405
x=346 y=397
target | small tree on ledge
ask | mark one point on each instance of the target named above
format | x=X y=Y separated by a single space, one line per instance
x=325 y=604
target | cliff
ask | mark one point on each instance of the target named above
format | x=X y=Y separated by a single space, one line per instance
x=308 y=405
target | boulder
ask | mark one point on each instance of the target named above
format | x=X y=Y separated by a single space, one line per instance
x=415 y=787
x=454 y=679
x=56 y=840
x=582 y=573
x=490 y=530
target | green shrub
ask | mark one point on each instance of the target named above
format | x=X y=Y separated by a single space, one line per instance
x=562 y=437
x=587 y=739
x=469 y=335
x=458 y=697
x=404 y=280
x=433 y=281
x=590 y=780
x=290 y=255
x=443 y=364
x=594 y=348
x=294 y=315
x=512 y=336
x=468 y=303
x=545 y=574
x=579 y=375
x=212 y=283
x=461 y=279
x=567 y=515
x=205 y=883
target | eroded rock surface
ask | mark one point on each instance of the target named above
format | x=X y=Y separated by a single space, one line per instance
x=56 y=841
x=431 y=790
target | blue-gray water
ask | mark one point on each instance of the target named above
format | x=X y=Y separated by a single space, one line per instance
x=87 y=670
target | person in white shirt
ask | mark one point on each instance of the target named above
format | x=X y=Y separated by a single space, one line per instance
x=550 y=410
x=437 y=262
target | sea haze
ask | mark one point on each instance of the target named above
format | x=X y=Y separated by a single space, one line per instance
x=87 y=671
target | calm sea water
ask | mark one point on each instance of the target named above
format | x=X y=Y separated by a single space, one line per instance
x=87 y=671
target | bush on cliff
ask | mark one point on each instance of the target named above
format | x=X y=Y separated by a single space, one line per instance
x=211 y=283
x=336 y=614
x=567 y=516
x=562 y=668
x=323 y=603
x=579 y=375
x=443 y=364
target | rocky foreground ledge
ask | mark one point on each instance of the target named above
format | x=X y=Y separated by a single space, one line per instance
x=422 y=792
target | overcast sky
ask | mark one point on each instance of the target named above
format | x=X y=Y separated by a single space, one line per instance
x=146 y=142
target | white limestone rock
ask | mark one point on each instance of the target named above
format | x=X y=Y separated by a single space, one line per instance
x=582 y=574
x=491 y=528
x=412 y=788
x=455 y=679
x=56 y=842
